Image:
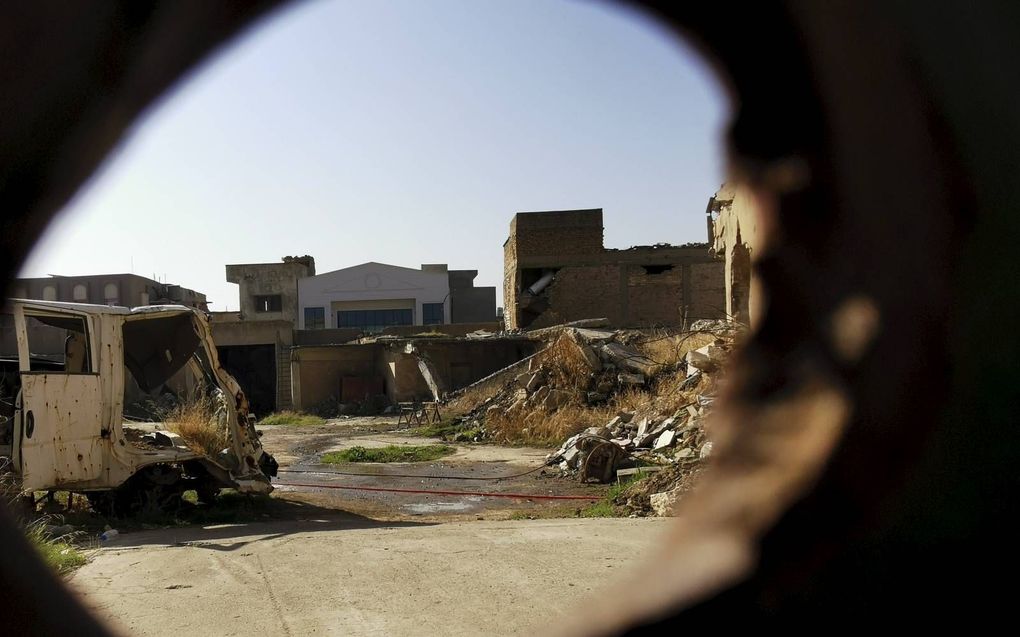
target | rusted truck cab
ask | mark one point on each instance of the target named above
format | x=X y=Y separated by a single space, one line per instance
x=67 y=371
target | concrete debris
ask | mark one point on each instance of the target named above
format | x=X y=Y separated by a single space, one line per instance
x=595 y=336
x=546 y=332
x=625 y=357
x=666 y=440
x=630 y=379
x=706 y=359
x=650 y=439
x=636 y=471
x=663 y=503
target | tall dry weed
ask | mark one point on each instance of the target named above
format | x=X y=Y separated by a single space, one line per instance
x=201 y=424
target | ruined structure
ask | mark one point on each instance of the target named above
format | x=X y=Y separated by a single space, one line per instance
x=733 y=230
x=393 y=367
x=556 y=270
x=126 y=290
x=285 y=308
x=254 y=342
x=470 y=304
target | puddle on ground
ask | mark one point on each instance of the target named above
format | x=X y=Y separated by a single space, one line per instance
x=422 y=508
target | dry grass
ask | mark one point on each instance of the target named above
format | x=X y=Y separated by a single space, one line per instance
x=669 y=349
x=198 y=425
x=295 y=418
x=565 y=365
x=535 y=426
x=566 y=369
x=468 y=400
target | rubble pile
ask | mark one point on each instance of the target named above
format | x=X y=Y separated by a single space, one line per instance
x=631 y=440
x=583 y=374
x=581 y=368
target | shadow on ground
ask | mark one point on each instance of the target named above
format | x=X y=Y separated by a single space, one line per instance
x=269 y=519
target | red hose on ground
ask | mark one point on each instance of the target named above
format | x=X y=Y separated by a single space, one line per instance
x=517 y=496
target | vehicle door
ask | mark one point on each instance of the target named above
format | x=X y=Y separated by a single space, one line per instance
x=59 y=429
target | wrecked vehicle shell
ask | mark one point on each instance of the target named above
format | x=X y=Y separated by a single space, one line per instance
x=64 y=422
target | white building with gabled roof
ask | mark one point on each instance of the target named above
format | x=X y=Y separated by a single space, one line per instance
x=373 y=296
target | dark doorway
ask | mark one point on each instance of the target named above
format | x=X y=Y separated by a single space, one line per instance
x=254 y=367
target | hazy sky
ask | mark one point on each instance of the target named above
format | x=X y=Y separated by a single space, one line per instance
x=404 y=132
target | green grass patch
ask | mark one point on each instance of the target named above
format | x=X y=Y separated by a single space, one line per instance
x=389 y=453
x=440 y=429
x=58 y=553
x=297 y=418
x=451 y=430
x=606 y=508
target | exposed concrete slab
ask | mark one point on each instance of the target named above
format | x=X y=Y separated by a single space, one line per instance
x=357 y=577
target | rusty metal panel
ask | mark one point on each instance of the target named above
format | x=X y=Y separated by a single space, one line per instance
x=62 y=422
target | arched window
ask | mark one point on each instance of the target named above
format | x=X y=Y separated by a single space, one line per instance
x=49 y=293
x=111 y=294
x=80 y=293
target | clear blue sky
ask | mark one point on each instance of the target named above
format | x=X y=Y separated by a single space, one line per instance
x=404 y=132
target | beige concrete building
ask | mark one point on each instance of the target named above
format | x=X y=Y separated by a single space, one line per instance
x=734 y=232
x=556 y=270
x=127 y=290
x=254 y=343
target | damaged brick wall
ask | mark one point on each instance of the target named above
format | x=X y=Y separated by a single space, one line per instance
x=639 y=287
x=580 y=293
x=707 y=290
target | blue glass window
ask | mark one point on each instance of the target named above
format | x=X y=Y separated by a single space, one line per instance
x=432 y=313
x=315 y=318
x=373 y=320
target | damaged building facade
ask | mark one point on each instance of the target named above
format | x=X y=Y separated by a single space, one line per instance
x=254 y=342
x=556 y=270
x=402 y=369
x=295 y=344
x=733 y=229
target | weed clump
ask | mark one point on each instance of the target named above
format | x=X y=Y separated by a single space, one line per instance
x=294 y=418
x=389 y=453
x=201 y=423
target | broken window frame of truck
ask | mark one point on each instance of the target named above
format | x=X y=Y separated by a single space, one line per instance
x=69 y=431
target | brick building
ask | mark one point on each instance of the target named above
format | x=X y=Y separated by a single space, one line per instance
x=556 y=269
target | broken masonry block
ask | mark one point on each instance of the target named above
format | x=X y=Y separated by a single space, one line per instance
x=666 y=439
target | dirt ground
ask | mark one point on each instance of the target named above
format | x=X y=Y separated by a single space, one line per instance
x=351 y=562
x=473 y=468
